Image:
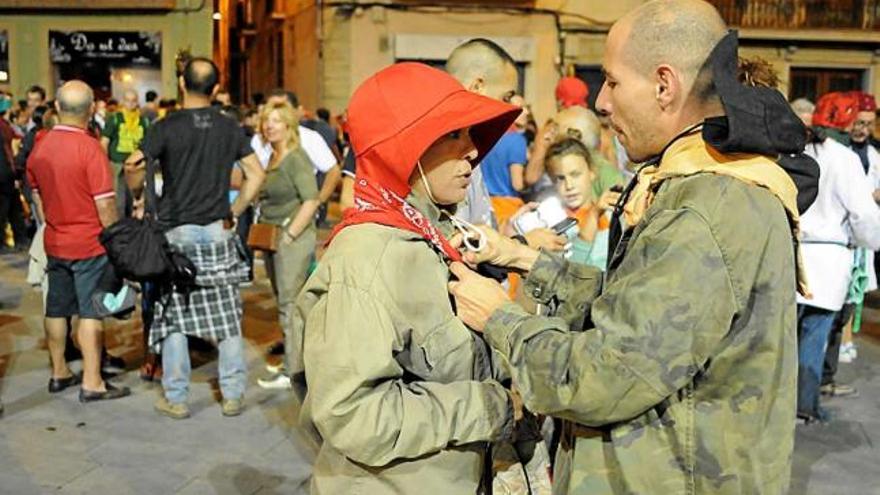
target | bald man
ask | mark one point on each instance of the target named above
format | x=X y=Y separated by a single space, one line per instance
x=676 y=372
x=483 y=67
x=121 y=136
x=73 y=191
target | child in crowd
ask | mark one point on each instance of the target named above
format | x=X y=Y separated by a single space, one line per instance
x=572 y=169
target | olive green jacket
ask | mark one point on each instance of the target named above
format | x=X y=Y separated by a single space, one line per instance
x=399 y=390
x=683 y=379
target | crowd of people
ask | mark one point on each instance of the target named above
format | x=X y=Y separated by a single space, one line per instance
x=488 y=272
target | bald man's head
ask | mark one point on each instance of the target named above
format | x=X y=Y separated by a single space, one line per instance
x=657 y=81
x=74 y=100
x=200 y=76
x=483 y=67
x=579 y=123
x=678 y=33
x=130 y=99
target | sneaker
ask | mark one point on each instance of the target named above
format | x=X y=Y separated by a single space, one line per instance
x=277 y=382
x=170 y=409
x=838 y=390
x=232 y=407
x=111 y=392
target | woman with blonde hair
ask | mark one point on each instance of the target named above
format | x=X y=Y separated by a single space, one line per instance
x=288 y=201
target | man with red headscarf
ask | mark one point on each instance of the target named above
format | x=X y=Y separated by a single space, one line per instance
x=860 y=135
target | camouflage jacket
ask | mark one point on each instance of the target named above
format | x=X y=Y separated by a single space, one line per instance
x=678 y=373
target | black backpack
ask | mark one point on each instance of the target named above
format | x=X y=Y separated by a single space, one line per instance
x=137 y=248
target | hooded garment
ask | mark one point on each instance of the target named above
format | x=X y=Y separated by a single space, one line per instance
x=404 y=397
x=391 y=126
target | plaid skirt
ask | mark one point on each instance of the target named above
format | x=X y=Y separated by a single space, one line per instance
x=212 y=310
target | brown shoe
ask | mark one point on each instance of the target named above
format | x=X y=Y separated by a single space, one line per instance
x=172 y=410
x=232 y=407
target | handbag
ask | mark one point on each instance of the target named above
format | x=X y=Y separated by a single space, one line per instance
x=137 y=248
x=264 y=236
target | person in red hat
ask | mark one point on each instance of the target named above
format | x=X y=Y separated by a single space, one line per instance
x=571 y=92
x=862 y=131
x=401 y=392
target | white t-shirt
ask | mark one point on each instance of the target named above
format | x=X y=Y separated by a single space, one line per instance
x=844 y=213
x=312 y=143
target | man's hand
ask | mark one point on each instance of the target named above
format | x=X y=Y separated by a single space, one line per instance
x=546 y=239
x=499 y=251
x=476 y=297
x=517 y=403
x=608 y=200
x=547 y=134
x=877 y=196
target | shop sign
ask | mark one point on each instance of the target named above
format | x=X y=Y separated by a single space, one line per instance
x=121 y=47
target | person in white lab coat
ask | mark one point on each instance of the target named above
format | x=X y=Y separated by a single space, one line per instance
x=843 y=216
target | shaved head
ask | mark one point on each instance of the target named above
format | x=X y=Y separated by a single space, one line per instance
x=482 y=66
x=74 y=99
x=200 y=76
x=130 y=99
x=579 y=123
x=657 y=79
x=678 y=33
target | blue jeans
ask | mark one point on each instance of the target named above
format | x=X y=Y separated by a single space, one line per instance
x=176 y=368
x=814 y=325
x=175 y=349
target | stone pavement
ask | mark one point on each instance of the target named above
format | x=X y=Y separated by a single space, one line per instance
x=54 y=444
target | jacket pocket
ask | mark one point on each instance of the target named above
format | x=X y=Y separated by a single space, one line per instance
x=447 y=351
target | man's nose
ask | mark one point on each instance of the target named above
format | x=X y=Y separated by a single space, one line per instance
x=603 y=102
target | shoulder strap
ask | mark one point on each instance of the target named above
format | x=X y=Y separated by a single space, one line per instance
x=150 y=199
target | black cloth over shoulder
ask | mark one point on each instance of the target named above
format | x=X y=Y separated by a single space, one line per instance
x=758 y=120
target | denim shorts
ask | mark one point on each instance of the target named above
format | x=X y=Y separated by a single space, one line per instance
x=71 y=285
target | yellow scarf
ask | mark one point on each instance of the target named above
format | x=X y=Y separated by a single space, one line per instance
x=690 y=155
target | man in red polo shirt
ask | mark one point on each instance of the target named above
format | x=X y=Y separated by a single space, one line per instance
x=73 y=190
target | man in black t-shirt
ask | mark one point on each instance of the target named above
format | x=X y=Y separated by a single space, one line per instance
x=196 y=148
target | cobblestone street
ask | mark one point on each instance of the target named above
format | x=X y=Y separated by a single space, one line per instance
x=54 y=444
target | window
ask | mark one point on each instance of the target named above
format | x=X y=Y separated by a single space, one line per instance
x=279 y=58
x=811 y=83
x=4 y=56
x=592 y=75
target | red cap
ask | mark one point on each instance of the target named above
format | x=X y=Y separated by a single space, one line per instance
x=396 y=114
x=867 y=103
x=571 y=92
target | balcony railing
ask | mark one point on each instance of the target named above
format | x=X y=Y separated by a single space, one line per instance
x=801 y=14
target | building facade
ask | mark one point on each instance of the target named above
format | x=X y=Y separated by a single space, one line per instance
x=113 y=45
x=324 y=49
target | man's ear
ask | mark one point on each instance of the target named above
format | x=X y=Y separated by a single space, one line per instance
x=478 y=86
x=181 y=84
x=667 y=86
